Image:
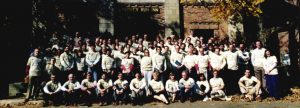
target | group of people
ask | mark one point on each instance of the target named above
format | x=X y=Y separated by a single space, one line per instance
x=88 y=70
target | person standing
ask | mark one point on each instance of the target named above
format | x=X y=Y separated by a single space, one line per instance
x=231 y=76
x=147 y=69
x=159 y=63
x=203 y=62
x=271 y=74
x=67 y=61
x=92 y=58
x=35 y=69
x=257 y=58
x=176 y=61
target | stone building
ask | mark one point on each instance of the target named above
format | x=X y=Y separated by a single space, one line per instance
x=164 y=17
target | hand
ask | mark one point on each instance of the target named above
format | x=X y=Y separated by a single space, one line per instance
x=186 y=90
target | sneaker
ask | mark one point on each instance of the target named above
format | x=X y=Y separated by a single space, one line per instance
x=205 y=99
x=228 y=98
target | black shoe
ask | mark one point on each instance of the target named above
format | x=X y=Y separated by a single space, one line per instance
x=26 y=100
x=181 y=100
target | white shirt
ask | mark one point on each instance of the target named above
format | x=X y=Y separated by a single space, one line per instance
x=159 y=62
x=67 y=60
x=270 y=63
x=156 y=85
x=175 y=56
x=203 y=61
x=248 y=82
x=217 y=61
x=104 y=83
x=216 y=83
x=257 y=57
x=204 y=83
x=108 y=62
x=75 y=85
x=127 y=63
x=232 y=60
x=189 y=61
x=172 y=86
x=92 y=58
x=146 y=64
x=35 y=64
x=137 y=84
x=121 y=83
x=189 y=82
x=80 y=63
x=52 y=87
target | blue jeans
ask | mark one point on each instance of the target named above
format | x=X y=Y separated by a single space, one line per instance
x=272 y=85
x=93 y=70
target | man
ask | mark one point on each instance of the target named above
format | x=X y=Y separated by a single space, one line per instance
x=186 y=87
x=67 y=61
x=137 y=87
x=217 y=61
x=52 y=91
x=92 y=58
x=203 y=61
x=121 y=90
x=176 y=61
x=244 y=58
x=231 y=76
x=88 y=89
x=71 y=90
x=104 y=87
x=250 y=87
x=34 y=69
x=257 y=58
x=217 y=87
x=189 y=62
x=108 y=64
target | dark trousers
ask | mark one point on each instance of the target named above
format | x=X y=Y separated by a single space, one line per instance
x=272 y=85
x=177 y=72
x=120 y=97
x=184 y=95
x=88 y=98
x=71 y=98
x=231 y=78
x=34 y=86
x=55 y=98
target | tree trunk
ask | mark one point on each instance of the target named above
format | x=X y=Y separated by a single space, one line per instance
x=293 y=50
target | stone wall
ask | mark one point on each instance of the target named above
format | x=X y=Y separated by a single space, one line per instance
x=199 y=17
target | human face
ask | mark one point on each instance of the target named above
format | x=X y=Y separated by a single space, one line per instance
x=184 y=75
x=36 y=52
x=120 y=76
x=258 y=44
x=103 y=76
x=88 y=76
x=172 y=77
x=52 y=78
x=71 y=77
x=201 y=78
x=268 y=54
x=247 y=73
x=155 y=77
x=137 y=76
x=146 y=53
x=215 y=74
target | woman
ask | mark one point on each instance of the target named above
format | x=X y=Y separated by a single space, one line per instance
x=127 y=66
x=202 y=87
x=147 y=69
x=271 y=74
x=172 y=87
x=157 y=88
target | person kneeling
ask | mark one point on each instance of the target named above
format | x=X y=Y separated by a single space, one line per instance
x=104 y=86
x=158 y=88
x=250 y=87
x=202 y=87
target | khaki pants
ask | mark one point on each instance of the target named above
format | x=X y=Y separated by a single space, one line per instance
x=259 y=74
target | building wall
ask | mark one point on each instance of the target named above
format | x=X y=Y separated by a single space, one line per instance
x=199 y=17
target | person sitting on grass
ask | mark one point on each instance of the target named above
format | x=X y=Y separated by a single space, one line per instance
x=157 y=88
x=202 y=87
x=250 y=87
x=172 y=87
x=104 y=87
x=71 y=90
x=217 y=87
x=137 y=87
x=186 y=87
x=52 y=91
x=121 y=90
x=88 y=89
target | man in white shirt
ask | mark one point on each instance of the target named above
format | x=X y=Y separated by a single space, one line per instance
x=52 y=91
x=257 y=58
x=217 y=61
x=177 y=62
x=92 y=58
x=203 y=61
x=244 y=58
x=67 y=61
x=109 y=65
x=186 y=87
x=159 y=63
x=137 y=87
x=189 y=62
x=71 y=90
x=249 y=86
x=35 y=69
x=231 y=76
